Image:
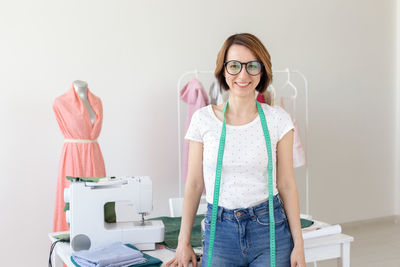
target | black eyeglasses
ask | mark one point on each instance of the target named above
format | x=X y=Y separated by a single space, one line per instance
x=234 y=67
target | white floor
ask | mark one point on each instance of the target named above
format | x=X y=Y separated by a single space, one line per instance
x=376 y=244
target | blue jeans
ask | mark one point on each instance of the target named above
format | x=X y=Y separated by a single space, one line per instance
x=242 y=236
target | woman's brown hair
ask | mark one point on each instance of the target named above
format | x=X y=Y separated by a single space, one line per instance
x=257 y=48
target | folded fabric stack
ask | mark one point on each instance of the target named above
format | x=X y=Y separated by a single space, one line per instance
x=114 y=255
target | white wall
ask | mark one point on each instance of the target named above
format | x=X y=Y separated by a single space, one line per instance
x=397 y=158
x=132 y=53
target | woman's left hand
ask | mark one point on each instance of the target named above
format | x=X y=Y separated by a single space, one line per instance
x=297 y=257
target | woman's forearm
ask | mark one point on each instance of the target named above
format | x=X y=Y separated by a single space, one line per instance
x=190 y=205
x=290 y=199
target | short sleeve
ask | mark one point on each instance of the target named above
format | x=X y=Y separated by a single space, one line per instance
x=194 y=131
x=285 y=123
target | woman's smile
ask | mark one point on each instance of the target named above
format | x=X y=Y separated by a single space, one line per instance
x=242 y=84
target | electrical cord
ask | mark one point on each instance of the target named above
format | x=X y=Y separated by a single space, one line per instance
x=66 y=239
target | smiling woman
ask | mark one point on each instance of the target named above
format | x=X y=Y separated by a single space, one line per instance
x=241 y=151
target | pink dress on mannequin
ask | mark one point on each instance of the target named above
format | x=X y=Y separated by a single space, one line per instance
x=78 y=158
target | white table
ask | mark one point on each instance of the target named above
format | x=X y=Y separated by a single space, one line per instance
x=316 y=249
x=329 y=247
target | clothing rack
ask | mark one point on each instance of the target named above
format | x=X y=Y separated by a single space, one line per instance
x=289 y=72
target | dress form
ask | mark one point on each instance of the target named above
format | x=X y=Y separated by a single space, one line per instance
x=81 y=88
x=79 y=114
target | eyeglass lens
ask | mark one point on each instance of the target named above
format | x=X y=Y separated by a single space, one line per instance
x=234 y=67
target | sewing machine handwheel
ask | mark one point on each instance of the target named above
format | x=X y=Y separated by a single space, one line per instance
x=80 y=242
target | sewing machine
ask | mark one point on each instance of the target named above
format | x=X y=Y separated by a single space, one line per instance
x=86 y=215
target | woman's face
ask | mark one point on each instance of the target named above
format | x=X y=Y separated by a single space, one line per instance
x=242 y=84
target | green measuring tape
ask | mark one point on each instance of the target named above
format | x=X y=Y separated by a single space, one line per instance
x=218 y=180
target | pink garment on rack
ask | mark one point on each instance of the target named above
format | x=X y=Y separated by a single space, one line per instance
x=77 y=159
x=299 y=156
x=196 y=97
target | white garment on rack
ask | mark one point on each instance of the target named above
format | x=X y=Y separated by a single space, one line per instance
x=217 y=94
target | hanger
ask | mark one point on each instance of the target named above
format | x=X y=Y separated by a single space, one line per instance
x=289 y=84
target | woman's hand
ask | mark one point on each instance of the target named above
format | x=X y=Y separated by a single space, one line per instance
x=184 y=254
x=297 y=257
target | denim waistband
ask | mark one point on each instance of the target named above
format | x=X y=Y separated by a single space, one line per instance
x=244 y=213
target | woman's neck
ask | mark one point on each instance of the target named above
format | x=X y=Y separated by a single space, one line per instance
x=241 y=107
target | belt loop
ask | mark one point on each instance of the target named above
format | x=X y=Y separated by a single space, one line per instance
x=220 y=212
x=251 y=212
x=279 y=198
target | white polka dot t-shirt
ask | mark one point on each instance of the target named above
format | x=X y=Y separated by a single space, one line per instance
x=244 y=178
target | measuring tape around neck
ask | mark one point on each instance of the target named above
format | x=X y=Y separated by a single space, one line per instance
x=218 y=180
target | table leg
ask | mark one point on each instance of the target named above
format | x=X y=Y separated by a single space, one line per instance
x=344 y=260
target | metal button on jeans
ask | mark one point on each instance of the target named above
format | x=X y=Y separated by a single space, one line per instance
x=238 y=214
